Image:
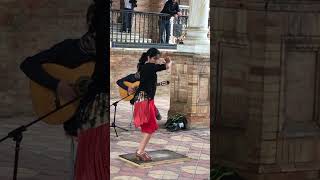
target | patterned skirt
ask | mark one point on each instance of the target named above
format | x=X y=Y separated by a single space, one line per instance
x=92 y=162
x=145 y=116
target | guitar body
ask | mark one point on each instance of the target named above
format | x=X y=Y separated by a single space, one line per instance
x=44 y=99
x=124 y=93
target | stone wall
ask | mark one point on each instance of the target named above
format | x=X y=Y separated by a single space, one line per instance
x=265 y=106
x=26 y=28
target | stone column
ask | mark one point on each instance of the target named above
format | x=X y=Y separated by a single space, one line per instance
x=190 y=73
x=197 y=32
x=189 y=91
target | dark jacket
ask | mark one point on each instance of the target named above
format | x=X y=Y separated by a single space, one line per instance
x=171 y=8
x=130 y=78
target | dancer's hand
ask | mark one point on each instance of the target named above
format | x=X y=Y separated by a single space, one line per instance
x=65 y=90
x=161 y=61
x=168 y=62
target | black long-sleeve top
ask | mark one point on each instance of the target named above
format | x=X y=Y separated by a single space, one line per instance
x=171 y=8
x=67 y=53
x=148 y=78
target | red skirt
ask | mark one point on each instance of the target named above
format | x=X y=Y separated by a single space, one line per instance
x=145 y=116
x=92 y=161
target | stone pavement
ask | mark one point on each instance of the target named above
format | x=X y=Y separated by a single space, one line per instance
x=193 y=143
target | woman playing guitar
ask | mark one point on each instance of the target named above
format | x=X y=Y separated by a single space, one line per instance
x=72 y=53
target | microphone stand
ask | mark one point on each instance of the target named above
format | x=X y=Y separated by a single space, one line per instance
x=113 y=124
x=17 y=134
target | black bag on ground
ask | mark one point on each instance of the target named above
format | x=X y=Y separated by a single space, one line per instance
x=176 y=122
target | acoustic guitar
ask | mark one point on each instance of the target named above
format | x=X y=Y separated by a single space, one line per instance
x=125 y=94
x=45 y=100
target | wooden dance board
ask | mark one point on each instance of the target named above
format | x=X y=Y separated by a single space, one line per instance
x=158 y=157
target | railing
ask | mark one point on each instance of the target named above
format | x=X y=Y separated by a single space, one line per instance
x=137 y=29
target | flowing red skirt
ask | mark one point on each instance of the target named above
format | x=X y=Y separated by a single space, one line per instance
x=146 y=111
x=92 y=162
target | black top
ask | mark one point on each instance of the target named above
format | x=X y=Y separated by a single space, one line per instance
x=148 y=78
x=171 y=8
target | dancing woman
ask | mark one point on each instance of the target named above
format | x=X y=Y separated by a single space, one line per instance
x=145 y=111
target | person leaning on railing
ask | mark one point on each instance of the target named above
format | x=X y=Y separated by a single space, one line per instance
x=172 y=8
x=129 y=5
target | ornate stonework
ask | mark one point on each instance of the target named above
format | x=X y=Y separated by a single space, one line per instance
x=265 y=76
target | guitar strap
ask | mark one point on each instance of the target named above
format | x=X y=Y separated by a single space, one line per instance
x=137 y=76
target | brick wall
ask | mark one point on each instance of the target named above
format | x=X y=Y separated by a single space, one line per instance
x=184 y=2
x=116 y=4
x=26 y=28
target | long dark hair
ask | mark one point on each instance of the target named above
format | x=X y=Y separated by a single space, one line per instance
x=152 y=52
x=143 y=59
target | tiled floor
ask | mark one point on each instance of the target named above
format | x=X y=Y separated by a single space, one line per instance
x=193 y=143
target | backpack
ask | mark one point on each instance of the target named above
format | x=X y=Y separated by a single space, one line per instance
x=176 y=122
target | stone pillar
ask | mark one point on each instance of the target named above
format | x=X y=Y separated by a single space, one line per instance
x=197 y=32
x=190 y=74
x=189 y=91
x=265 y=99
